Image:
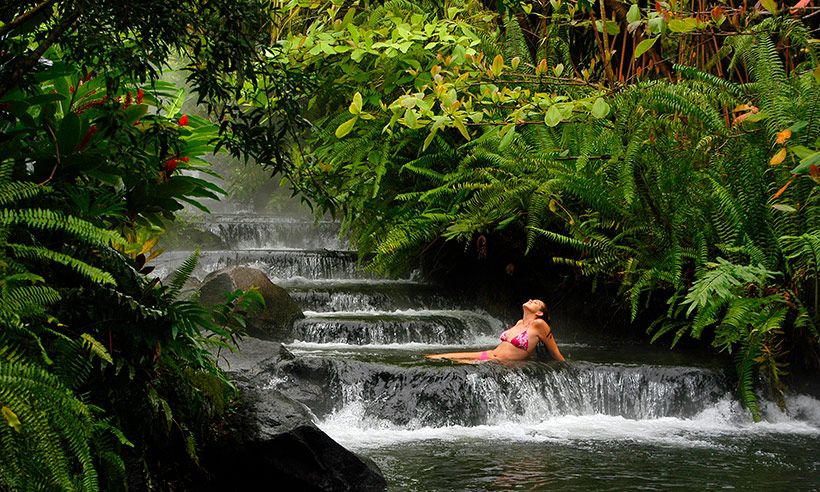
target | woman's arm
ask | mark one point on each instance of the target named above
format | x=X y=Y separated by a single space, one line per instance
x=545 y=334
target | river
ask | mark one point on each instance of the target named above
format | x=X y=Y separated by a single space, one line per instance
x=618 y=415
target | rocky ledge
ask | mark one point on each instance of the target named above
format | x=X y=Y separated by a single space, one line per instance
x=274 y=443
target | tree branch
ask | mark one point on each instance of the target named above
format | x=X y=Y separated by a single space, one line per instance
x=27 y=62
x=25 y=16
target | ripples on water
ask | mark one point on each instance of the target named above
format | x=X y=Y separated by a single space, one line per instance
x=619 y=417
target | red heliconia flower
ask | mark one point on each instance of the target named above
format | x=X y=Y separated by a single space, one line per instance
x=128 y=99
x=184 y=120
x=140 y=95
x=814 y=171
x=185 y=159
x=86 y=138
x=170 y=165
x=71 y=89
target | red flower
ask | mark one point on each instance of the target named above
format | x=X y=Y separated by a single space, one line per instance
x=170 y=165
x=140 y=95
x=185 y=159
x=184 y=120
x=87 y=138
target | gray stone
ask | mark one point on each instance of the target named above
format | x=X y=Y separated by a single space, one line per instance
x=273 y=443
x=275 y=321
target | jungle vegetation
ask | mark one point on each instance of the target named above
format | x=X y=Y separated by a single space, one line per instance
x=668 y=148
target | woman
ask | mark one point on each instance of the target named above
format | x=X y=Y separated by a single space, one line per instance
x=518 y=342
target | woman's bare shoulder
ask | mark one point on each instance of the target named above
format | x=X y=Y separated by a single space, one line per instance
x=540 y=324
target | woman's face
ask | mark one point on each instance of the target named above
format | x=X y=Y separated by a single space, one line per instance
x=534 y=305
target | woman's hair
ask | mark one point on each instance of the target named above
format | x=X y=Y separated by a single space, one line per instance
x=546 y=313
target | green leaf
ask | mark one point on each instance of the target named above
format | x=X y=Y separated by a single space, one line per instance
x=508 y=133
x=355 y=106
x=429 y=139
x=69 y=134
x=173 y=108
x=784 y=208
x=346 y=127
x=769 y=5
x=553 y=116
x=11 y=419
x=682 y=25
x=410 y=119
x=600 y=108
x=461 y=128
x=800 y=151
x=806 y=163
x=644 y=46
x=612 y=27
x=633 y=14
x=498 y=65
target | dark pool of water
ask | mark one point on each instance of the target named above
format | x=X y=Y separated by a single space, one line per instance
x=783 y=462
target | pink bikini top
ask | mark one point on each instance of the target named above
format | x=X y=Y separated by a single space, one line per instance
x=521 y=341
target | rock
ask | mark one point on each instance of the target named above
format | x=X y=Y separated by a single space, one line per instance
x=275 y=321
x=273 y=443
x=252 y=357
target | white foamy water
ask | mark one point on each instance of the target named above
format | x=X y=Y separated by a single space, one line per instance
x=350 y=427
x=480 y=342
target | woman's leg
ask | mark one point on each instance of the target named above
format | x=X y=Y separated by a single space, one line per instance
x=458 y=356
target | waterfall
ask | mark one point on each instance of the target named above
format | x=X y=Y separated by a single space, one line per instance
x=359 y=366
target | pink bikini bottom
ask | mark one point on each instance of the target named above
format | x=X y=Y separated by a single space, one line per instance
x=484 y=355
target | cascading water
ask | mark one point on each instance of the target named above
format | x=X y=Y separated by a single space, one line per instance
x=616 y=416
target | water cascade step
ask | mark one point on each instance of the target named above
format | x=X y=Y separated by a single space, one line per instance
x=617 y=415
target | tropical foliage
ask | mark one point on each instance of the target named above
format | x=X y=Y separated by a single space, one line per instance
x=106 y=375
x=669 y=149
x=691 y=185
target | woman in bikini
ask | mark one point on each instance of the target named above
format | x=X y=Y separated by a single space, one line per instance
x=518 y=342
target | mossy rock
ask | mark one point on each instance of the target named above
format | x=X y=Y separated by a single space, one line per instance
x=275 y=321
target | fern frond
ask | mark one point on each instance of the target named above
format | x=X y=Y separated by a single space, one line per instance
x=50 y=220
x=42 y=254
x=181 y=275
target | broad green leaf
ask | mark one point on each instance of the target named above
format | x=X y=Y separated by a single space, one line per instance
x=69 y=134
x=784 y=208
x=633 y=14
x=558 y=69
x=800 y=151
x=356 y=105
x=429 y=139
x=644 y=46
x=682 y=25
x=552 y=116
x=461 y=128
x=600 y=108
x=612 y=27
x=498 y=65
x=410 y=119
x=755 y=117
x=173 y=108
x=346 y=127
x=657 y=25
x=11 y=418
x=807 y=162
x=508 y=134
x=769 y=5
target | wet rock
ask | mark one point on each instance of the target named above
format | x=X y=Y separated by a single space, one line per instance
x=273 y=443
x=275 y=321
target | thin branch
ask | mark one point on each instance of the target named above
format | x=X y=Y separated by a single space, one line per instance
x=25 y=16
x=28 y=62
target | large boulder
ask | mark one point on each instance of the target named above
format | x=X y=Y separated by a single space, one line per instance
x=275 y=321
x=273 y=443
